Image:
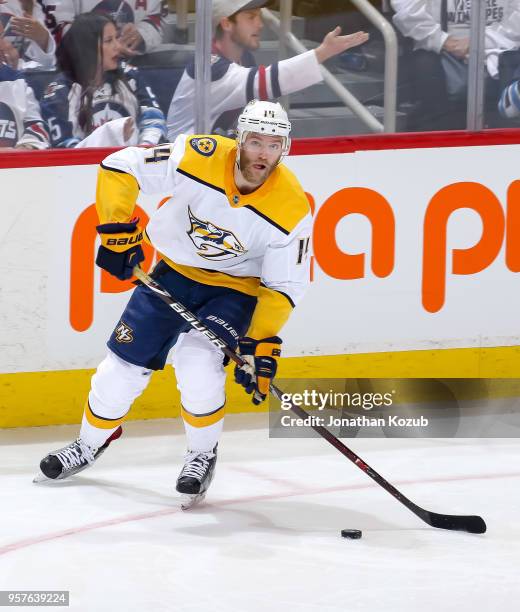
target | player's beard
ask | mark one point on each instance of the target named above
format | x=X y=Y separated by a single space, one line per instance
x=253 y=175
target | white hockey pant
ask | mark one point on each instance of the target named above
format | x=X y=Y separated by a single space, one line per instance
x=201 y=380
x=114 y=387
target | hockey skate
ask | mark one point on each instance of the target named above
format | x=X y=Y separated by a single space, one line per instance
x=196 y=476
x=71 y=459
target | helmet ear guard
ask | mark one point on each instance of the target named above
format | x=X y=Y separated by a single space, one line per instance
x=262 y=117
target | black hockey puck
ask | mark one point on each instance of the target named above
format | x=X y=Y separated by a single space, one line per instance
x=353 y=534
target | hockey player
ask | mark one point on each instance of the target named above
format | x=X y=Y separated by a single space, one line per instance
x=233 y=240
x=234 y=77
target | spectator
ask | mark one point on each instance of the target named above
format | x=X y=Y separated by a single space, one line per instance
x=234 y=77
x=22 y=23
x=21 y=124
x=440 y=30
x=140 y=23
x=95 y=89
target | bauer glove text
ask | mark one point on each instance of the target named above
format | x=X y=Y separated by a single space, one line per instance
x=120 y=248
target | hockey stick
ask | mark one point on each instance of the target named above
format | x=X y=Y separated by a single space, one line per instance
x=472 y=524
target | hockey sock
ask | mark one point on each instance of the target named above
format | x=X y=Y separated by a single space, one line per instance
x=95 y=431
x=203 y=431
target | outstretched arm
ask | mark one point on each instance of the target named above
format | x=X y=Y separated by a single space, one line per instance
x=284 y=77
x=335 y=43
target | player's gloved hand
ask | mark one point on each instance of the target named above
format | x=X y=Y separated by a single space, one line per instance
x=261 y=357
x=120 y=248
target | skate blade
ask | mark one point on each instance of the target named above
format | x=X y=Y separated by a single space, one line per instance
x=189 y=501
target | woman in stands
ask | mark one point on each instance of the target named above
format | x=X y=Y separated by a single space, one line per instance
x=22 y=23
x=87 y=105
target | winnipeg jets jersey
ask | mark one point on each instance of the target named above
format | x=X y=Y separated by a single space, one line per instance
x=20 y=119
x=509 y=103
x=116 y=98
x=207 y=230
x=232 y=86
x=32 y=56
x=146 y=14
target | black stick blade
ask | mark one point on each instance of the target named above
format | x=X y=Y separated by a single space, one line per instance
x=471 y=524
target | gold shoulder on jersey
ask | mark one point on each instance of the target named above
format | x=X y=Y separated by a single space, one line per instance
x=281 y=200
x=205 y=158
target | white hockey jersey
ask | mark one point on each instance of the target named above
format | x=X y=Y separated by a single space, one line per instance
x=257 y=243
x=232 y=86
x=146 y=14
x=20 y=119
x=32 y=56
x=421 y=20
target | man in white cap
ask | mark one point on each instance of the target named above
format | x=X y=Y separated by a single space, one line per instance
x=235 y=78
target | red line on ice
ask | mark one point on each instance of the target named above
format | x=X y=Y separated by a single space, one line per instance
x=226 y=502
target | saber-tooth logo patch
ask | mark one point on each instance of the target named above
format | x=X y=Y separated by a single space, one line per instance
x=124 y=333
x=213 y=242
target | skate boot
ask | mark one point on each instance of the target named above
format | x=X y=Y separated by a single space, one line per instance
x=72 y=459
x=196 y=476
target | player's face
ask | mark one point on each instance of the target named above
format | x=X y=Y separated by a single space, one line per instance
x=111 y=48
x=246 y=29
x=259 y=156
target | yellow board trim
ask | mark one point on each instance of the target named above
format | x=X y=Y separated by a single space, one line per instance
x=54 y=398
x=202 y=421
x=100 y=423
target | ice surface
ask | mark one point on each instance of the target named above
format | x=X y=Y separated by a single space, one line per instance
x=268 y=535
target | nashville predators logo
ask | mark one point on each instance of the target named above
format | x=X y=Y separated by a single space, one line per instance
x=123 y=333
x=205 y=146
x=213 y=242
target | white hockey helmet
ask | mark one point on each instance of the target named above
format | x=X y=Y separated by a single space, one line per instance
x=262 y=117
